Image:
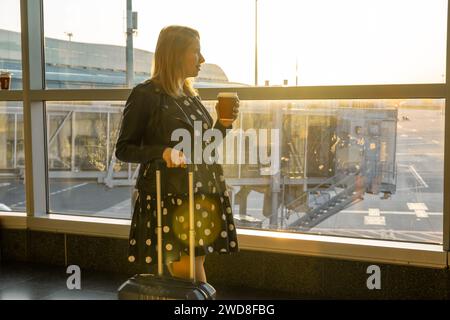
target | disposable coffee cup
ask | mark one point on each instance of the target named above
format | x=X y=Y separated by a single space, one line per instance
x=5 y=80
x=227 y=101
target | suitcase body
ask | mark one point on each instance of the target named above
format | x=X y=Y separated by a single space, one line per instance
x=159 y=286
x=155 y=287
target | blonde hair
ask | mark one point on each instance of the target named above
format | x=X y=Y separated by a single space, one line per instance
x=168 y=68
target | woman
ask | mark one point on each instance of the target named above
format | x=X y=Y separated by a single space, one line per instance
x=153 y=111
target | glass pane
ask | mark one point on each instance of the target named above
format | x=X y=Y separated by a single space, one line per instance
x=328 y=42
x=12 y=158
x=358 y=168
x=322 y=42
x=10 y=42
x=83 y=176
x=85 y=43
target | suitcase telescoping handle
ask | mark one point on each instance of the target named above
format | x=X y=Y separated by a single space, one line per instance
x=191 y=219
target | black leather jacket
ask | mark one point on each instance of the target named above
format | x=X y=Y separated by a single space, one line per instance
x=149 y=118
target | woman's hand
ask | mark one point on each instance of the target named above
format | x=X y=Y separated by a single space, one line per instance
x=174 y=158
x=225 y=122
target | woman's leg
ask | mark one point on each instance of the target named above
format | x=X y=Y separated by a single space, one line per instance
x=181 y=268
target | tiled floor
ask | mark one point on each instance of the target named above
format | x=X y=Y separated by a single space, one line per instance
x=26 y=281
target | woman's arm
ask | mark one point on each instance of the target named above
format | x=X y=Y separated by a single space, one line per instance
x=136 y=115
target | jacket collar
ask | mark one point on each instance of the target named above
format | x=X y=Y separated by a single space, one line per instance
x=169 y=105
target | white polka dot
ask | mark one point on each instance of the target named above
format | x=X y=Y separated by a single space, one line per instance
x=166 y=229
x=210 y=249
x=205 y=126
x=164 y=211
x=221 y=199
x=148 y=224
x=173 y=201
x=212 y=224
x=183 y=236
x=199 y=224
x=228 y=210
x=197 y=206
x=204 y=214
x=207 y=232
x=149 y=197
x=223 y=234
x=222 y=178
x=200 y=242
x=210 y=183
x=226 y=193
x=214 y=190
x=186 y=103
x=199 y=184
x=232 y=244
x=231 y=227
x=162 y=204
x=168 y=247
x=213 y=207
x=223 y=250
x=181 y=219
x=203 y=196
x=148 y=242
x=131 y=258
x=179 y=202
x=148 y=259
x=148 y=207
x=193 y=117
x=224 y=217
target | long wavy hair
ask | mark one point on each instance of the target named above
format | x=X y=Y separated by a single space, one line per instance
x=168 y=67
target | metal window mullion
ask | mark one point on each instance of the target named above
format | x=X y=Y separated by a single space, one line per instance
x=11 y=95
x=404 y=91
x=33 y=110
x=446 y=222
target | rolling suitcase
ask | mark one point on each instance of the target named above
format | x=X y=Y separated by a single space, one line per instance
x=161 y=287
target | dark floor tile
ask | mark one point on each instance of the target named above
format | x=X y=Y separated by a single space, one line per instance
x=239 y=293
x=102 y=281
x=82 y=294
x=21 y=281
x=26 y=291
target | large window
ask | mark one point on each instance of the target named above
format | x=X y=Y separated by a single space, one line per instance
x=12 y=160
x=314 y=158
x=365 y=168
x=321 y=42
x=10 y=48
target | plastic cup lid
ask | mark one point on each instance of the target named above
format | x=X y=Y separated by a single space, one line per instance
x=227 y=95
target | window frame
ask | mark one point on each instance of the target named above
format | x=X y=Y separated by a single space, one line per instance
x=34 y=97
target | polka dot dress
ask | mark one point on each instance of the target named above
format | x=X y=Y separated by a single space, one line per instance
x=213 y=219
